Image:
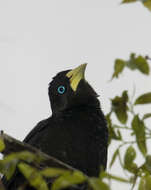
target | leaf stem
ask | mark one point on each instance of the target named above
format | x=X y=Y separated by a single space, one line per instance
x=122 y=165
x=120 y=127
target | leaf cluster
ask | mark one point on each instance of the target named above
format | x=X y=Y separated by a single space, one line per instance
x=133 y=63
x=29 y=165
x=123 y=107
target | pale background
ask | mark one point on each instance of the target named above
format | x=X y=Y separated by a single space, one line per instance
x=39 y=38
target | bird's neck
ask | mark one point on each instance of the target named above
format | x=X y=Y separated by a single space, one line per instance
x=90 y=104
x=77 y=109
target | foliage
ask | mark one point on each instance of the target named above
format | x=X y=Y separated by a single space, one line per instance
x=120 y=108
x=146 y=3
x=123 y=107
x=133 y=63
x=2 y=145
x=62 y=178
x=134 y=124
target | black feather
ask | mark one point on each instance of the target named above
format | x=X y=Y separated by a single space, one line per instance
x=76 y=133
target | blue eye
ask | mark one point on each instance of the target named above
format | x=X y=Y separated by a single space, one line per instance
x=61 y=89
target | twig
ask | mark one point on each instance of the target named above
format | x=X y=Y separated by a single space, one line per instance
x=120 y=127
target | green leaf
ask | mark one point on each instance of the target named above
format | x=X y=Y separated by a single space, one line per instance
x=130 y=155
x=147 y=4
x=33 y=176
x=112 y=133
x=148 y=163
x=110 y=128
x=144 y=99
x=8 y=165
x=145 y=183
x=53 y=172
x=139 y=63
x=146 y=116
x=118 y=67
x=68 y=180
x=139 y=130
x=8 y=169
x=2 y=145
x=135 y=62
x=117 y=178
x=119 y=106
x=11 y=169
x=27 y=156
x=114 y=157
x=97 y=184
x=128 y=1
x=129 y=158
x=119 y=134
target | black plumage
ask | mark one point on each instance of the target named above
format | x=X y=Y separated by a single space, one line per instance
x=76 y=133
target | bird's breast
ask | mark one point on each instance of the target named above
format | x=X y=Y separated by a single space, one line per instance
x=74 y=139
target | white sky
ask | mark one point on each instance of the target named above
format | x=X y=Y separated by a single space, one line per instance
x=40 y=38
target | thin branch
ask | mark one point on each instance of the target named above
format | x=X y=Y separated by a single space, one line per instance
x=135 y=179
x=120 y=127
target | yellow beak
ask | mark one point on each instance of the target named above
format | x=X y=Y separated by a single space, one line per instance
x=76 y=75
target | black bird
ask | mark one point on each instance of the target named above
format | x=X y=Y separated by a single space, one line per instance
x=76 y=133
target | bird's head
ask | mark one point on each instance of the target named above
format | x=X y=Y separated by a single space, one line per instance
x=69 y=89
